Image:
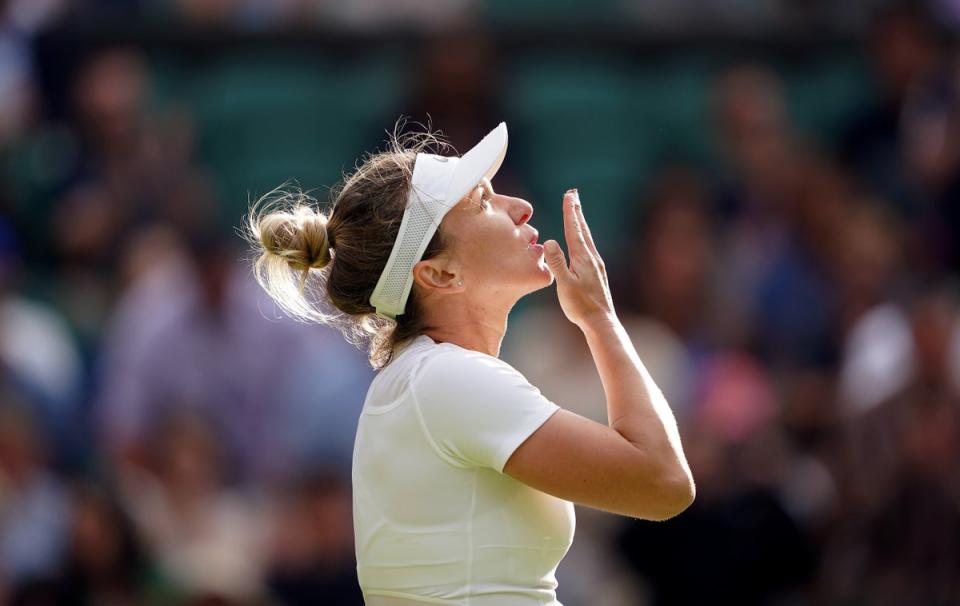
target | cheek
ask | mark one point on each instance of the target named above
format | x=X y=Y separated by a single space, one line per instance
x=487 y=255
x=509 y=262
x=492 y=253
x=486 y=258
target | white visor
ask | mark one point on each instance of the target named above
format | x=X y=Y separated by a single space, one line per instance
x=439 y=182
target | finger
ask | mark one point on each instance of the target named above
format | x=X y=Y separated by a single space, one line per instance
x=553 y=255
x=572 y=230
x=585 y=229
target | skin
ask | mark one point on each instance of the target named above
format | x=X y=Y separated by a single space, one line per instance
x=490 y=234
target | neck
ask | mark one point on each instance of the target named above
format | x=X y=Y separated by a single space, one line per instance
x=471 y=326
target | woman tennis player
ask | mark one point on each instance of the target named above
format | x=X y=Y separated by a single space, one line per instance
x=464 y=474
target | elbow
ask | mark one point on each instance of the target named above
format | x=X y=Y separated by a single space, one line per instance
x=684 y=496
x=676 y=492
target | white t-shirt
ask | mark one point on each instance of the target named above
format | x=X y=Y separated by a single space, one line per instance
x=435 y=518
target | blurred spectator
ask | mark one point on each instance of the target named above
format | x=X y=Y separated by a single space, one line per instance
x=666 y=272
x=904 y=146
x=16 y=85
x=193 y=332
x=312 y=558
x=206 y=538
x=134 y=169
x=774 y=286
x=33 y=506
x=20 y=21
x=457 y=89
x=869 y=259
x=900 y=457
x=903 y=51
x=893 y=347
x=106 y=562
x=39 y=361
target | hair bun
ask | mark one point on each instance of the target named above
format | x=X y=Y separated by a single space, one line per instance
x=298 y=235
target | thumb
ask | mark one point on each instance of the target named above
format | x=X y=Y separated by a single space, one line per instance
x=553 y=255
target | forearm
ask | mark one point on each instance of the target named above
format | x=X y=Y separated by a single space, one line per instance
x=636 y=407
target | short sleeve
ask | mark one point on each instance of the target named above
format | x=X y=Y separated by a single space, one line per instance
x=477 y=409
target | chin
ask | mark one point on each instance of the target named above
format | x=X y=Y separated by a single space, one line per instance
x=531 y=278
x=543 y=278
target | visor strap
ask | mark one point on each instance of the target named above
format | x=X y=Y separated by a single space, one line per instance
x=426 y=207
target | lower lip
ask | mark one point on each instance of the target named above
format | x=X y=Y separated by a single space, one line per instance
x=536 y=249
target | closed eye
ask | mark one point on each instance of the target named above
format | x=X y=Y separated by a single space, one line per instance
x=485 y=200
x=487 y=190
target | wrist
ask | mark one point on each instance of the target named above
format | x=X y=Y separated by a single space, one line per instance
x=601 y=324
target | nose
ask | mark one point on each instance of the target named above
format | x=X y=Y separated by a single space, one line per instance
x=524 y=210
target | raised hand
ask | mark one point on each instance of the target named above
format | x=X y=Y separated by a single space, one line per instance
x=582 y=287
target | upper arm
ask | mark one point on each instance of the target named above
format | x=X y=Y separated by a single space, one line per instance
x=475 y=409
x=577 y=459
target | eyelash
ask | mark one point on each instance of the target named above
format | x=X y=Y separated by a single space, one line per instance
x=484 y=198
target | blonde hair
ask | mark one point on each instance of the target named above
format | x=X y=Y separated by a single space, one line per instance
x=321 y=265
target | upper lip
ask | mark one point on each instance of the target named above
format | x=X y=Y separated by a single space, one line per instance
x=533 y=238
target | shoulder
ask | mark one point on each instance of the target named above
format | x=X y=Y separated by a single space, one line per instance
x=450 y=361
x=470 y=375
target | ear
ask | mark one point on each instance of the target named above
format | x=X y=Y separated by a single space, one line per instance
x=434 y=275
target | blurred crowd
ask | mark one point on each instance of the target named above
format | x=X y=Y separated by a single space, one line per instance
x=671 y=16
x=168 y=437
x=798 y=305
